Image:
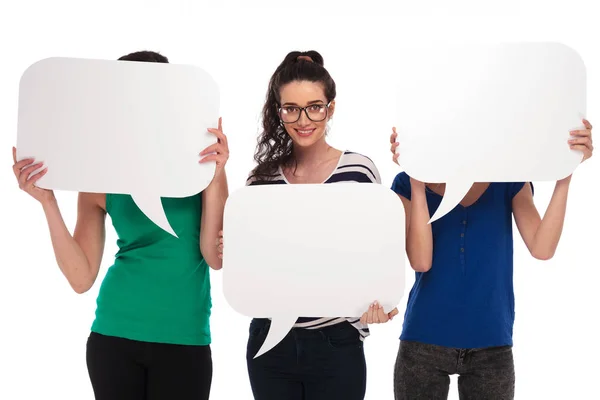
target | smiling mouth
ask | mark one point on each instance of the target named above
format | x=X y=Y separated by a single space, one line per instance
x=305 y=132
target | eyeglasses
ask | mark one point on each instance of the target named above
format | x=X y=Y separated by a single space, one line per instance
x=314 y=112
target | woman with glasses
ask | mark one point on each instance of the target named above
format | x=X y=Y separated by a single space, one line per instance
x=320 y=358
x=151 y=335
x=460 y=312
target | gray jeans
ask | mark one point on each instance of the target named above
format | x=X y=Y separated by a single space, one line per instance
x=423 y=372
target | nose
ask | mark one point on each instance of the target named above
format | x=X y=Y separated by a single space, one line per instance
x=303 y=121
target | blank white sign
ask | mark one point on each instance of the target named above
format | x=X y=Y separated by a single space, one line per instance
x=312 y=251
x=119 y=127
x=488 y=113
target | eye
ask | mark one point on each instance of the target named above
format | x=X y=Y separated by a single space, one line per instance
x=290 y=110
x=316 y=108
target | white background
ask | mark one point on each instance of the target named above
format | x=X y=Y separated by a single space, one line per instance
x=45 y=325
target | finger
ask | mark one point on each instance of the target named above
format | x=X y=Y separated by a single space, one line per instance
x=577 y=146
x=370 y=314
x=393 y=313
x=31 y=181
x=14 y=151
x=220 y=159
x=395 y=158
x=586 y=141
x=24 y=174
x=220 y=248
x=587 y=124
x=393 y=136
x=376 y=313
x=219 y=134
x=581 y=132
x=381 y=317
x=220 y=233
x=213 y=148
x=22 y=164
x=221 y=124
x=384 y=316
x=212 y=157
x=581 y=148
x=363 y=319
x=393 y=147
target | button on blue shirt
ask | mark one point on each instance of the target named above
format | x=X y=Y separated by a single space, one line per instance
x=466 y=300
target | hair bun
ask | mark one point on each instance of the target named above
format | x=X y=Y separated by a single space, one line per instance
x=304 y=57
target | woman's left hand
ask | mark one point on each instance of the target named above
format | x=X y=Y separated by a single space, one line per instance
x=219 y=244
x=582 y=140
x=376 y=315
x=220 y=150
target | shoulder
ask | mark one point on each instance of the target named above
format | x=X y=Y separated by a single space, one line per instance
x=93 y=200
x=401 y=185
x=254 y=180
x=358 y=163
x=513 y=188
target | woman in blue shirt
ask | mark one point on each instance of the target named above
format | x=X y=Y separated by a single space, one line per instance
x=460 y=312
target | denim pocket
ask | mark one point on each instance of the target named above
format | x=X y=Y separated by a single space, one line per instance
x=342 y=336
x=258 y=327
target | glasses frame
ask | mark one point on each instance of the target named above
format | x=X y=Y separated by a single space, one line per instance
x=305 y=112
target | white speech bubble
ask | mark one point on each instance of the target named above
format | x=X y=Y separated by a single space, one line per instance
x=312 y=251
x=119 y=127
x=488 y=113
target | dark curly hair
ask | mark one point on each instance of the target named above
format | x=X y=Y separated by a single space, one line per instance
x=274 y=148
x=145 y=56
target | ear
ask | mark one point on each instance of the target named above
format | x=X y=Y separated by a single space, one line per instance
x=331 y=109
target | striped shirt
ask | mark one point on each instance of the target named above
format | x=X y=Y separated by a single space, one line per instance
x=351 y=167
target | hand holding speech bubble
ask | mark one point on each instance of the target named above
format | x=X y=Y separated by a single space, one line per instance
x=119 y=127
x=312 y=251
x=489 y=113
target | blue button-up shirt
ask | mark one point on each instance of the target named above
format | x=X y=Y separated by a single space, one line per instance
x=466 y=299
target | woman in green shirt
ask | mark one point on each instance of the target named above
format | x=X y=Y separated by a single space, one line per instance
x=151 y=335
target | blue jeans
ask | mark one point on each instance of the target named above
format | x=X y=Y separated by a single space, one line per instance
x=321 y=364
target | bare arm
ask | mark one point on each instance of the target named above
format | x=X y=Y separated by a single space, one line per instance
x=213 y=199
x=213 y=205
x=79 y=256
x=541 y=236
x=419 y=239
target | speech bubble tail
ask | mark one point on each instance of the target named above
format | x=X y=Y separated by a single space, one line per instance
x=453 y=195
x=152 y=207
x=280 y=326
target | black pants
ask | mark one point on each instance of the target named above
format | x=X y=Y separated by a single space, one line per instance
x=423 y=372
x=122 y=369
x=323 y=364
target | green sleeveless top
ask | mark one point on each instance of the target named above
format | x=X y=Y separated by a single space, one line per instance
x=158 y=289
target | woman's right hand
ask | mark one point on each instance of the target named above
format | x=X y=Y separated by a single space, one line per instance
x=376 y=315
x=394 y=145
x=23 y=170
